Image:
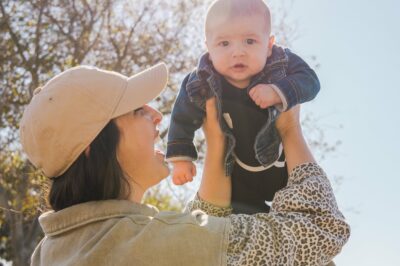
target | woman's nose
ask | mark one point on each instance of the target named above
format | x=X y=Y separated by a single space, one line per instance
x=155 y=115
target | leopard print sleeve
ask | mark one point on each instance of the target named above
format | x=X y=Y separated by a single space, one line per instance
x=199 y=204
x=304 y=226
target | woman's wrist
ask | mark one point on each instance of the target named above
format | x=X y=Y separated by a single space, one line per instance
x=296 y=149
x=210 y=208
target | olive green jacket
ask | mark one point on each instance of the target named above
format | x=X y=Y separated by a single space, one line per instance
x=117 y=232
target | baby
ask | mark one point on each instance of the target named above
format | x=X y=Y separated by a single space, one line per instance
x=253 y=80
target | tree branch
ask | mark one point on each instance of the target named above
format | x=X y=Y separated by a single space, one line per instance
x=13 y=35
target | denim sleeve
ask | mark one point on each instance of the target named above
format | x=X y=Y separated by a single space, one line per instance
x=186 y=118
x=301 y=83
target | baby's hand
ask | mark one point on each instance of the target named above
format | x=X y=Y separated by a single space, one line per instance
x=264 y=96
x=183 y=172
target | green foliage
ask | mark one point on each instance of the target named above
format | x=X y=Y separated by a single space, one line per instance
x=163 y=200
x=20 y=201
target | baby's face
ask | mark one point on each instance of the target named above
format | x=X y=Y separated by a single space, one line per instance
x=239 y=47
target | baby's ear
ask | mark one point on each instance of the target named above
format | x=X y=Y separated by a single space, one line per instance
x=208 y=50
x=271 y=43
x=209 y=55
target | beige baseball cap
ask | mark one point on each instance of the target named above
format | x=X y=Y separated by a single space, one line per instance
x=66 y=114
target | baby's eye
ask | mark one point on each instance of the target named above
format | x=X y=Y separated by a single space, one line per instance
x=250 y=41
x=224 y=43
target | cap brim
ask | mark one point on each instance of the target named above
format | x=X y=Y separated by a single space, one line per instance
x=142 y=88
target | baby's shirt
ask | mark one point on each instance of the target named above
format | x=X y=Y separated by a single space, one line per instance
x=244 y=118
x=252 y=183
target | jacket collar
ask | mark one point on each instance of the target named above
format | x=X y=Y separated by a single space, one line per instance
x=54 y=223
x=205 y=67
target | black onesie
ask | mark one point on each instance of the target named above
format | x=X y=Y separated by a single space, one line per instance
x=250 y=190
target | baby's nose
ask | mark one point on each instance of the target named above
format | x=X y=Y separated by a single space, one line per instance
x=238 y=50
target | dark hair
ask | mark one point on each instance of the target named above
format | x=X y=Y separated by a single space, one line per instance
x=95 y=177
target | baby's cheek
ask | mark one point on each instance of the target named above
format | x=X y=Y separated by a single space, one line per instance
x=260 y=65
x=218 y=66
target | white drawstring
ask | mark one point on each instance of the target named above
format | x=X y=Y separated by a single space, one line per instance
x=261 y=167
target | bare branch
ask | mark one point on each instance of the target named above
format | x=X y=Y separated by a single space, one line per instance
x=10 y=210
x=14 y=36
x=109 y=31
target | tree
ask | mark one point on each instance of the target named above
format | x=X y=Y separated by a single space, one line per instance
x=40 y=38
x=19 y=188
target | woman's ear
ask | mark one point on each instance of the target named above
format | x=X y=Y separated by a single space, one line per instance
x=271 y=43
x=87 y=151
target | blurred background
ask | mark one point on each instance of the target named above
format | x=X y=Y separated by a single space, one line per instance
x=352 y=125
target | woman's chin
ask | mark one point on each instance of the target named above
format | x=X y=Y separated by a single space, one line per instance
x=166 y=170
x=160 y=165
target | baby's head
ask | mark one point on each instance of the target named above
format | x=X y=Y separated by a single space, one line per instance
x=238 y=38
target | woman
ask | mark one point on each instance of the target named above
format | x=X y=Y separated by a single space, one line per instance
x=92 y=132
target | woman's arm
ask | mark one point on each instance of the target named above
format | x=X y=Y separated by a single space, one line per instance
x=304 y=226
x=215 y=187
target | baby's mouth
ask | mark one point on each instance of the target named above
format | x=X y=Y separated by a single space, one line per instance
x=239 y=66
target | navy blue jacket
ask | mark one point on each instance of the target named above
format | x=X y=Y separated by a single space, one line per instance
x=296 y=81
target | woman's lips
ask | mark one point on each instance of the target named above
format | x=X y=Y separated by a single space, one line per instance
x=157 y=137
x=160 y=155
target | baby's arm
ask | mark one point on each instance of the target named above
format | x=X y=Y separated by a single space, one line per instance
x=300 y=85
x=183 y=172
x=186 y=118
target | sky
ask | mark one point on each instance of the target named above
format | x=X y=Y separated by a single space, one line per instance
x=357 y=45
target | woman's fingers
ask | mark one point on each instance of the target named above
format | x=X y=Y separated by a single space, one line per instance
x=288 y=120
x=211 y=127
x=194 y=171
x=211 y=108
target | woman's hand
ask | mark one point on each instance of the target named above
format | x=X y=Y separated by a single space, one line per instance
x=215 y=187
x=289 y=121
x=211 y=128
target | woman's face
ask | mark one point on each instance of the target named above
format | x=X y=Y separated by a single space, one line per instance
x=135 y=152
